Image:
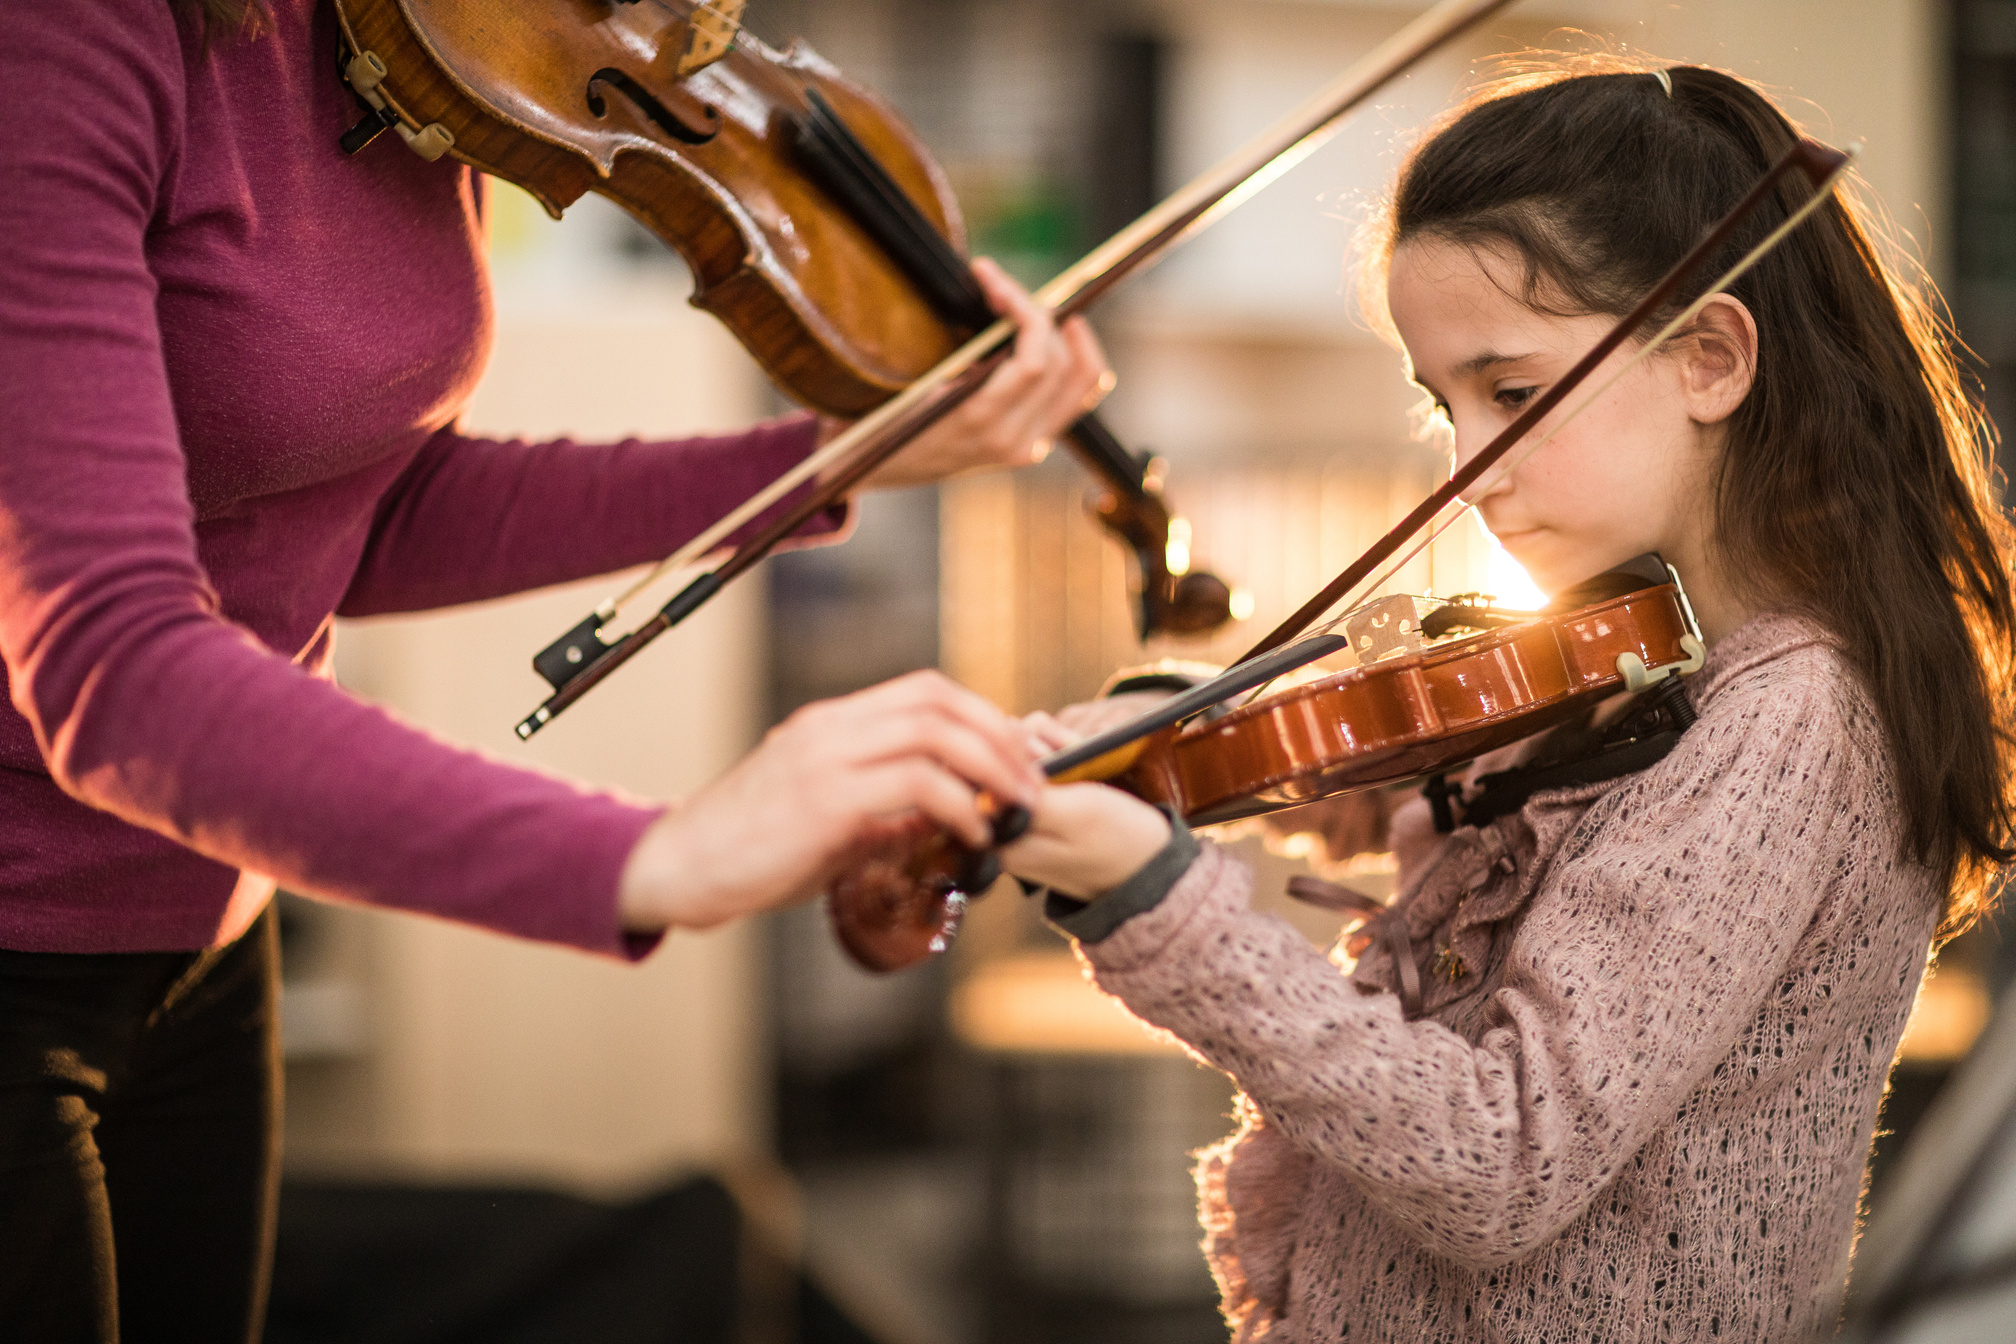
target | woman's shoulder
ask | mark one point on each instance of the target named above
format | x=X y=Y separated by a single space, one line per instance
x=98 y=75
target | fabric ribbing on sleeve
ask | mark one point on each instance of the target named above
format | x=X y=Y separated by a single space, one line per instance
x=476 y=518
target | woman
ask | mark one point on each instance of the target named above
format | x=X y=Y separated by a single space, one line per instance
x=1659 y=1010
x=231 y=361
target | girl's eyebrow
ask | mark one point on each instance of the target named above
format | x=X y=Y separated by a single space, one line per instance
x=1480 y=362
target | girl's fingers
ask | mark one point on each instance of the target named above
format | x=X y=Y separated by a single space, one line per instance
x=1047 y=733
x=1086 y=839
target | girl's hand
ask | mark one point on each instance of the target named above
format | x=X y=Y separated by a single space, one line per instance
x=1086 y=839
x=1055 y=375
x=1096 y=716
x=772 y=830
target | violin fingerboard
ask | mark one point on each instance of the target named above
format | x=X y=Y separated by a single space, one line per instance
x=715 y=25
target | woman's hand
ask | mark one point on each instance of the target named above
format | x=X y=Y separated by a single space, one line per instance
x=1055 y=375
x=771 y=830
x=1086 y=839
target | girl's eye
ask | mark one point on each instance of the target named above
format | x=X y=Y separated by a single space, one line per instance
x=1515 y=398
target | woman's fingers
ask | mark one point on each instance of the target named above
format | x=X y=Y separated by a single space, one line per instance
x=1089 y=376
x=1096 y=716
x=914 y=785
x=950 y=745
x=1052 y=376
x=937 y=693
x=1047 y=734
x=1066 y=360
x=1051 y=372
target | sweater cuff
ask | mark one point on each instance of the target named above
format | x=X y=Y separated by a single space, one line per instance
x=1094 y=921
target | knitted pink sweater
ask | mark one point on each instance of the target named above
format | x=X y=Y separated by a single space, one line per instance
x=1643 y=1113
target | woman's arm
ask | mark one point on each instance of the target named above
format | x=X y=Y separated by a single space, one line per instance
x=473 y=518
x=1635 y=970
x=476 y=518
x=146 y=703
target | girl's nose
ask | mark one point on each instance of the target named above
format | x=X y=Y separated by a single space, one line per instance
x=1467 y=444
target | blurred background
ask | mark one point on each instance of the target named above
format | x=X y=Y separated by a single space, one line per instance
x=980 y=1149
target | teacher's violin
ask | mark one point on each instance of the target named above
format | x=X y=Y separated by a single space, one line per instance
x=817 y=227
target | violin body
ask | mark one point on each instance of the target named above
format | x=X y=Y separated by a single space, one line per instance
x=1409 y=715
x=570 y=96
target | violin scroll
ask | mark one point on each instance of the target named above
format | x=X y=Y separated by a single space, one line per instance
x=1174 y=599
x=905 y=886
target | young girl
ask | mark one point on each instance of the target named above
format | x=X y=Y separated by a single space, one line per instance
x=1659 y=1011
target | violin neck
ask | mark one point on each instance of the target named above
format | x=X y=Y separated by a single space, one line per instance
x=848 y=170
x=836 y=159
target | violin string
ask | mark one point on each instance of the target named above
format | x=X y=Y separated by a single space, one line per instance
x=1513 y=461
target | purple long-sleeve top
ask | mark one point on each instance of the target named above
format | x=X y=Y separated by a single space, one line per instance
x=231 y=361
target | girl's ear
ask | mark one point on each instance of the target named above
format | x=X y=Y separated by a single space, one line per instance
x=1718 y=360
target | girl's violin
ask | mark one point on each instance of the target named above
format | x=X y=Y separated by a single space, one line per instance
x=1411 y=709
x=817 y=227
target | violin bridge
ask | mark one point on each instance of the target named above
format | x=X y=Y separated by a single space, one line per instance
x=715 y=25
x=1382 y=629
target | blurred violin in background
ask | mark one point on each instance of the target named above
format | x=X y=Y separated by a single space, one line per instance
x=816 y=225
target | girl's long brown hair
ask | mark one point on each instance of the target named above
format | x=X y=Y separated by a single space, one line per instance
x=1854 y=484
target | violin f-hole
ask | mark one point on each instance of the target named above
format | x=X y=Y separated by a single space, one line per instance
x=705 y=122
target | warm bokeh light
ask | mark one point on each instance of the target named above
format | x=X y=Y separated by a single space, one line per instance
x=1506 y=579
x=1953 y=1006
x=1041 y=1003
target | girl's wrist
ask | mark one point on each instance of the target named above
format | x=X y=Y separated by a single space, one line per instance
x=1139 y=834
x=1143 y=890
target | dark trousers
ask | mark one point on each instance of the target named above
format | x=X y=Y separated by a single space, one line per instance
x=139 y=1136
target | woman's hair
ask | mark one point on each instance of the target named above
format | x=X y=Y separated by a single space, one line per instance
x=1854 y=481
